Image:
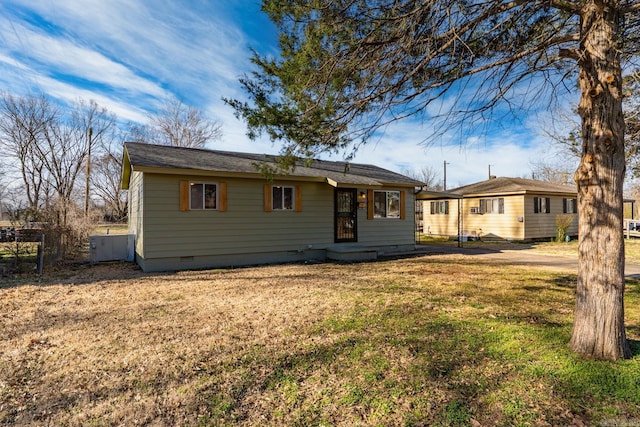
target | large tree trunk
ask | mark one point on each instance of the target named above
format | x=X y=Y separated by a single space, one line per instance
x=598 y=330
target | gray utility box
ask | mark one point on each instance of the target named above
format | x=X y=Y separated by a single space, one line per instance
x=112 y=247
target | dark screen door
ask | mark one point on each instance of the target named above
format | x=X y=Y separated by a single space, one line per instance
x=346 y=215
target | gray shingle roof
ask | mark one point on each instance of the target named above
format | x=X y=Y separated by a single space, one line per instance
x=161 y=156
x=513 y=185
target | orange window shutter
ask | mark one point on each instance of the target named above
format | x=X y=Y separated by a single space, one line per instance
x=222 y=197
x=184 y=196
x=369 y=204
x=402 y=210
x=267 y=198
x=298 y=198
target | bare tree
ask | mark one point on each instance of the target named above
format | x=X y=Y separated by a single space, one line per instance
x=556 y=172
x=51 y=149
x=106 y=184
x=183 y=126
x=348 y=68
x=428 y=175
x=65 y=144
x=23 y=125
x=569 y=139
x=632 y=121
x=135 y=132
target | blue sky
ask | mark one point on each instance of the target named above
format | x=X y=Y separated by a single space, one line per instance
x=130 y=55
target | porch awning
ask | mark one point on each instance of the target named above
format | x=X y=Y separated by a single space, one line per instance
x=432 y=195
x=347 y=180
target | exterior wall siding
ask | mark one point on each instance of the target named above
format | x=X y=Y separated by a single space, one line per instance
x=518 y=222
x=388 y=232
x=244 y=228
x=543 y=225
x=489 y=225
x=505 y=225
x=136 y=210
x=245 y=233
x=440 y=224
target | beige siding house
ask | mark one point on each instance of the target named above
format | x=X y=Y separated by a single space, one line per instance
x=500 y=208
x=191 y=208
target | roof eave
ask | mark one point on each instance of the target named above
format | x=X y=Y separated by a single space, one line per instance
x=223 y=174
x=334 y=182
x=125 y=175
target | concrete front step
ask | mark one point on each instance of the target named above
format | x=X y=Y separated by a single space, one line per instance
x=351 y=253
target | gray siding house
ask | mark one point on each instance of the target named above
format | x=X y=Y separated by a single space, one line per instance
x=194 y=208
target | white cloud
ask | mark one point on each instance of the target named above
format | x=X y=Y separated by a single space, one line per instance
x=190 y=51
x=509 y=154
x=127 y=55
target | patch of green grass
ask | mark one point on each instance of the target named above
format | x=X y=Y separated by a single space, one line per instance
x=111 y=229
x=631 y=247
x=422 y=237
x=456 y=413
x=469 y=353
x=442 y=341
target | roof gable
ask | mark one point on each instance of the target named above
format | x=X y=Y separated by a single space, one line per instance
x=148 y=156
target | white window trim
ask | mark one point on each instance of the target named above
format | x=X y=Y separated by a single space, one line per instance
x=204 y=183
x=387 y=192
x=282 y=207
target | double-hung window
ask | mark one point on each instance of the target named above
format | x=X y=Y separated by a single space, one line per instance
x=203 y=196
x=440 y=207
x=541 y=205
x=283 y=197
x=569 y=206
x=386 y=204
x=492 y=206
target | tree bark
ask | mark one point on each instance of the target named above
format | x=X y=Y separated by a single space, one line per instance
x=598 y=330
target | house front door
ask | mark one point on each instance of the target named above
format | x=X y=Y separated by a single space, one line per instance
x=346 y=215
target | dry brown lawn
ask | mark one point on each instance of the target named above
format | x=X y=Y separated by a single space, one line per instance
x=440 y=340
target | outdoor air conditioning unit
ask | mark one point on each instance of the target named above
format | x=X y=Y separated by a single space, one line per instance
x=115 y=247
x=474 y=210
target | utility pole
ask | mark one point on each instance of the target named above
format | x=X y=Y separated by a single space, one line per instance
x=86 y=189
x=444 y=185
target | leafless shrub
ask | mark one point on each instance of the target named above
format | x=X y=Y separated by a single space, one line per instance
x=563 y=222
x=66 y=229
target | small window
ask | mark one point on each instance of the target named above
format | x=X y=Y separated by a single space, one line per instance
x=283 y=198
x=492 y=206
x=570 y=206
x=440 y=208
x=541 y=205
x=386 y=204
x=203 y=196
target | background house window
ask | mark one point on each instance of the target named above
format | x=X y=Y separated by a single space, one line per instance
x=283 y=198
x=569 y=206
x=440 y=208
x=386 y=204
x=541 y=205
x=203 y=196
x=492 y=206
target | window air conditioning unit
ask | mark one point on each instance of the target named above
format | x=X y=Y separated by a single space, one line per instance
x=475 y=210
